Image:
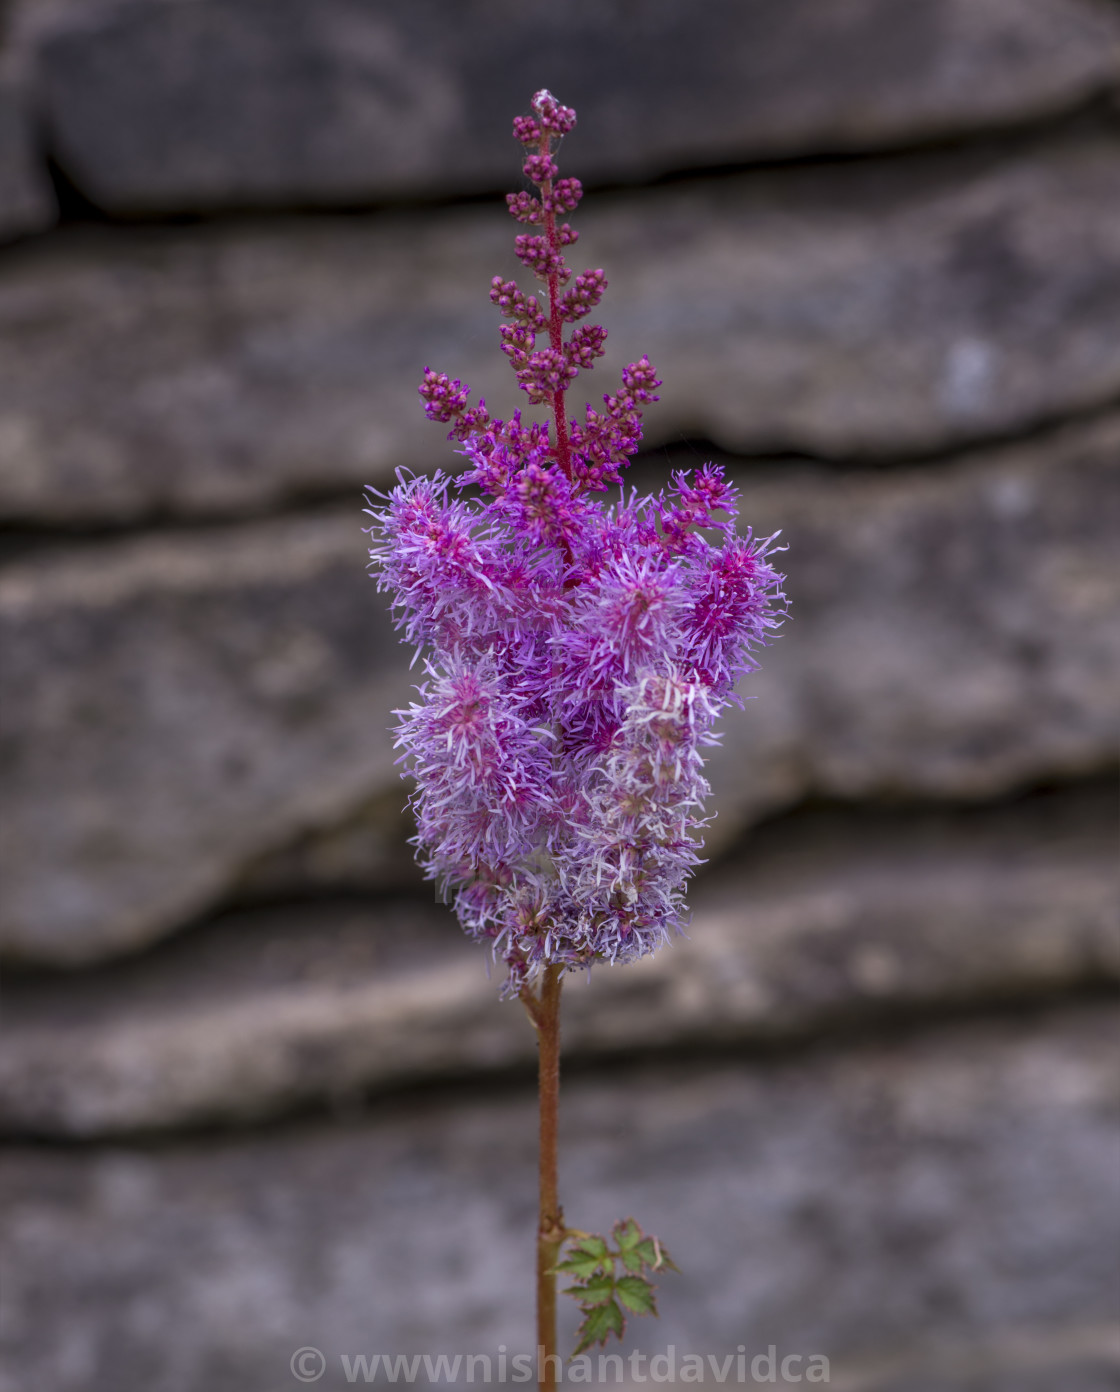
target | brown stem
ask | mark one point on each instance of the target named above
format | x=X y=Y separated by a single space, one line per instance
x=556 y=342
x=544 y=1011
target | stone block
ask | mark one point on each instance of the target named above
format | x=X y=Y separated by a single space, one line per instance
x=177 y=707
x=933 y=1211
x=823 y=922
x=27 y=202
x=281 y=103
x=878 y=310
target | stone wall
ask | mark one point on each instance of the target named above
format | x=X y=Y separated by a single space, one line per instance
x=258 y=1091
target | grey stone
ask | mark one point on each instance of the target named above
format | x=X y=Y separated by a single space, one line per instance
x=200 y=105
x=946 y=624
x=182 y=704
x=27 y=202
x=829 y=695
x=369 y=849
x=824 y=921
x=876 y=309
x=934 y=1212
x=178 y=708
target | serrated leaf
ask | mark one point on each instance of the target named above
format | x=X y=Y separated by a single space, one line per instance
x=593 y=1245
x=627 y=1234
x=664 y=1261
x=636 y=1294
x=599 y=1324
x=631 y=1260
x=580 y=1264
x=655 y=1256
x=597 y=1291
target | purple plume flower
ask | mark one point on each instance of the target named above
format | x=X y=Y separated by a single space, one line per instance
x=578 y=653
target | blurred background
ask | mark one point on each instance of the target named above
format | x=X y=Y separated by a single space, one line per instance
x=257 y=1092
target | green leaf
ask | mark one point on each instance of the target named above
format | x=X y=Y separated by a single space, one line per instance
x=664 y=1261
x=646 y=1252
x=636 y=1294
x=599 y=1324
x=654 y=1256
x=627 y=1234
x=597 y=1291
x=602 y=1296
x=580 y=1264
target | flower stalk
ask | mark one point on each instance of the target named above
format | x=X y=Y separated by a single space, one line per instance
x=576 y=656
x=544 y=1011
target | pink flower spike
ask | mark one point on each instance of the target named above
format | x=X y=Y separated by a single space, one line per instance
x=553 y=116
x=578 y=654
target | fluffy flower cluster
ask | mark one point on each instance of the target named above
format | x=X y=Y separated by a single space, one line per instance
x=577 y=654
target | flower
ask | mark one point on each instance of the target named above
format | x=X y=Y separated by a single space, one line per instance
x=578 y=653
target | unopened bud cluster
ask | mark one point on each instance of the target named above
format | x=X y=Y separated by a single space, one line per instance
x=577 y=653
